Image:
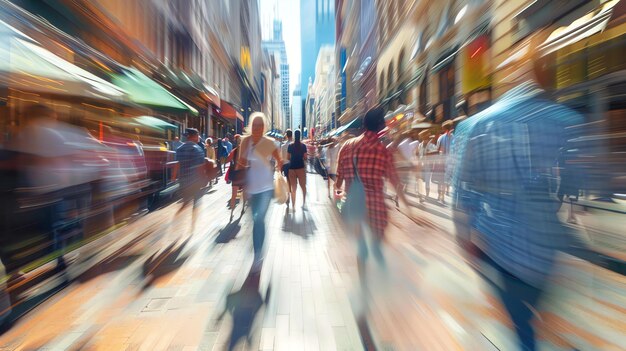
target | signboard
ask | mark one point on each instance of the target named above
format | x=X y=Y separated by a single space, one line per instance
x=475 y=73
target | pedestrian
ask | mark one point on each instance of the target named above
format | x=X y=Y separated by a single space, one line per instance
x=228 y=145
x=503 y=210
x=444 y=143
x=254 y=159
x=236 y=182
x=190 y=172
x=297 y=172
x=176 y=143
x=50 y=150
x=425 y=150
x=332 y=155
x=222 y=154
x=210 y=154
x=405 y=158
x=285 y=155
x=367 y=158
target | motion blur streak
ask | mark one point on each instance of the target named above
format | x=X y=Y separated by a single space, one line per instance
x=461 y=172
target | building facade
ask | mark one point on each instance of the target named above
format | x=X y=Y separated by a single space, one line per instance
x=296 y=107
x=324 y=91
x=277 y=47
x=315 y=31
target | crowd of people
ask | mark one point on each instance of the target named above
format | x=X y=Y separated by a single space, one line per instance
x=499 y=173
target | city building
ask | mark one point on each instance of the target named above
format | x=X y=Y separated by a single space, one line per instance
x=324 y=91
x=356 y=59
x=277 y=47
x=271 y=92
x=315 y=31
x=207 y=54
x=296 y=107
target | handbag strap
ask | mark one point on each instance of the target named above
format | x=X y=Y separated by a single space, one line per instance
x=356 y=170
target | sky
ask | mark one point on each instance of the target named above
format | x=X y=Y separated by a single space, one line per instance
x=289 y=12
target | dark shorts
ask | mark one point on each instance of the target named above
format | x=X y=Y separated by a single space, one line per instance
x=333 y=177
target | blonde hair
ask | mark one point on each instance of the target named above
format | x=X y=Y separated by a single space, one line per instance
x=253 y=117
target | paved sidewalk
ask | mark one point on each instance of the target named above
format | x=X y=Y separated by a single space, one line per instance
x=173 y=291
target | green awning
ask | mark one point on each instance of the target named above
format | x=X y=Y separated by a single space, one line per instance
x=26 y=65
x=355 y=123
x=144 y=91
x=154 y=122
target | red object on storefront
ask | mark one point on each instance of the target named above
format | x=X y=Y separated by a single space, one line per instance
x=227 y=111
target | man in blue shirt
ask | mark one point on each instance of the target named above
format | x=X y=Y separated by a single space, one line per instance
x=228 y=144
x=190 y=170
x=504 y=208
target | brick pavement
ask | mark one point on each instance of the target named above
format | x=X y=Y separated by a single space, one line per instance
x=173 y=291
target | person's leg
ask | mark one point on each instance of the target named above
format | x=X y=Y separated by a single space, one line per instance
x=328 y=182
x=377 y=245
x=259 y=203
x=519 y=300
x=302 y=180
x=286 y=174
x=293 y=183
x=194 y=209
x=233 y=196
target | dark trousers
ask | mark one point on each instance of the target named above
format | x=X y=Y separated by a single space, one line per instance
x=518 y=297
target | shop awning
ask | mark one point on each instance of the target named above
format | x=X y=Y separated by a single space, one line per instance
x=27 y=66
x=154 y=122
x=145 y=91
x=229 y=112
x=355 y=123
x=211 y=96
x=582 y=28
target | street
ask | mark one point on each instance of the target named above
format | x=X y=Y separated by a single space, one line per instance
x=170 y=290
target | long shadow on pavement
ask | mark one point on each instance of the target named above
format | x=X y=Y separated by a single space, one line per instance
x=229 y=232
x=244 y=305
x=166 y=262
x=305 y=228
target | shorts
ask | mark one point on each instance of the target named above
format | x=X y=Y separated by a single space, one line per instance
x=297 y=176
x=332 y=176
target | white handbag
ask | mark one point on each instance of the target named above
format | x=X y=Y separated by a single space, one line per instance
x=281 y=189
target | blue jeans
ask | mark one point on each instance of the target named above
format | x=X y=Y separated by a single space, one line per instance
x=517 y=296
x=259 y=203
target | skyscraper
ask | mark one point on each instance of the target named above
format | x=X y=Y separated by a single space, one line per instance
x=277 y=45
x=315 y=31
x=296 y=107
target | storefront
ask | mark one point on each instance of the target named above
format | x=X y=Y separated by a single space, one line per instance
x=226 y=120
x=445 y=72
x=475 y=77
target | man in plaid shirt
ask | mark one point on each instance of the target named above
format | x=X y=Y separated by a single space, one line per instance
x=374 y=163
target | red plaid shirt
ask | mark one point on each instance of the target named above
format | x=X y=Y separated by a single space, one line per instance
x=374 y=163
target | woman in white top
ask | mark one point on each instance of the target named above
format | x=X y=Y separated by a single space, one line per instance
x=255 y=155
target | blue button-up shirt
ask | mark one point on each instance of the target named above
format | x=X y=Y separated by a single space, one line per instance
x=190 y=158
x=502 y=162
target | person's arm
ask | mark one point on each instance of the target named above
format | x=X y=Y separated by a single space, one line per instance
x=231 y=156
x=242 y=158
x=393 y=177
x=304 y=157
x=278 y=158
x=339 y=181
